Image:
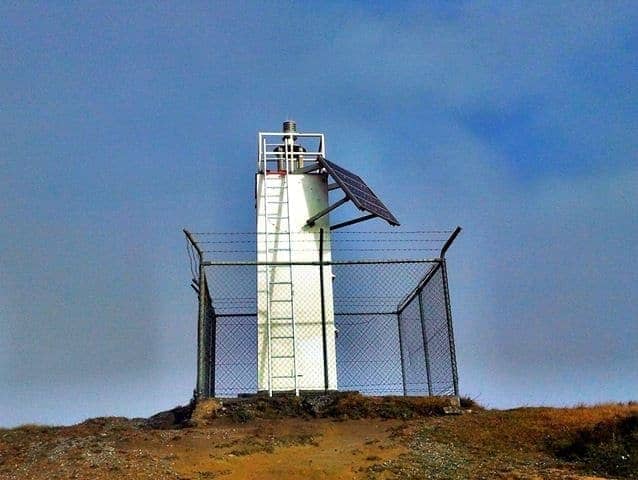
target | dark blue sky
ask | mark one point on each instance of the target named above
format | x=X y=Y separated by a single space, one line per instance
x=120 y=124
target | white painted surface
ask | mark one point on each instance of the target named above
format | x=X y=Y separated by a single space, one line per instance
x=308 y=194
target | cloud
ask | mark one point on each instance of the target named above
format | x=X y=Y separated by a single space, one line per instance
x=543 y=287
x=484 y=56
x=516 y=121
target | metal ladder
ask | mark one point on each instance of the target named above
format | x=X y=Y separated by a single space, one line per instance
x=282 y=345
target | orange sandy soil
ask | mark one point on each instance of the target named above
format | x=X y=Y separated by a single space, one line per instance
x=479 y=445
x=289 y=448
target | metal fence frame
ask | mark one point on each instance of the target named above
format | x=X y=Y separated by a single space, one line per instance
x=209 y=319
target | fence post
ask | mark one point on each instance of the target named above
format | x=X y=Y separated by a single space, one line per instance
x=212 y=354
x=323 y=314
x=202 y=368
x=202 y=387
x=450 y=331
x=405 y=388
x=425 y=342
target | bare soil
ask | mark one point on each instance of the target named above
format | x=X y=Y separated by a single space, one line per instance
x=350 y=437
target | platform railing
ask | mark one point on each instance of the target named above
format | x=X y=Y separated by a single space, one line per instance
x=268 y=159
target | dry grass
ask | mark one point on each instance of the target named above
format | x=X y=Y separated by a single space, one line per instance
x=354 y=405
x=528 y=428
x=522 y=440
x=610 y=446
x=469 y=403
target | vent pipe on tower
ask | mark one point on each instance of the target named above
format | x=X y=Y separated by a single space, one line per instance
x=289 y=149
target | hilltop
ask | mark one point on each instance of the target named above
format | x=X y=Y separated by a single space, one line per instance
x=342 y=436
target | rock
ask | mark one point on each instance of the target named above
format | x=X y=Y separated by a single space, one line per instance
x=178 y=417
x=452 y=410
x=318 y=404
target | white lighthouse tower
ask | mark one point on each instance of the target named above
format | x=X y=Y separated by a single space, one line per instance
x=292 y=328
x=295 y=310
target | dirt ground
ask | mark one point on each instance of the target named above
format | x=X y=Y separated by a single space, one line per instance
x=291 y=448
x=515 y=444
x=261 y=449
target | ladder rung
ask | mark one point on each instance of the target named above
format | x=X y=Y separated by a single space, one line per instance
x=280 y=283
x=281 y=318
x=277 y=203
x=282 y=338
x=282 y=356
x=281 y=301
x=283 y=376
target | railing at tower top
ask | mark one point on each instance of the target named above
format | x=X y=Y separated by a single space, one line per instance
x=270 y=159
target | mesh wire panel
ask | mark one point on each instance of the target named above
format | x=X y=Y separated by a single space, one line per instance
x=236 y=355
x=367 y=296
x=435 y=318
x=368 y=358
x=383 y=312
x=414 y=359
x=232 y=289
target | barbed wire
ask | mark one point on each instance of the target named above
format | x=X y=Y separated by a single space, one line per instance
x=367 y=296
x=191 y=259
x=314 y=240
x=341 y=250
x=378 y=232
x=228 y=243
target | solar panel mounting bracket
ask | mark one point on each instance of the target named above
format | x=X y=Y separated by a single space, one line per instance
x=352 y=222
x=356 y=190
x=311 y=221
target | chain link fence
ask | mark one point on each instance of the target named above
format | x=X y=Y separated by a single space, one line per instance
x=392 y=328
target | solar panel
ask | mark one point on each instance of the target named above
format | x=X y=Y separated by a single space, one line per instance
x=357 y=191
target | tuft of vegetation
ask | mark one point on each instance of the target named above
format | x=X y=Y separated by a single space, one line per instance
x=351 y=405
x=242 y=414
x=469 y=403
x=31 y=428
x=178 y=417
x=609 y=447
